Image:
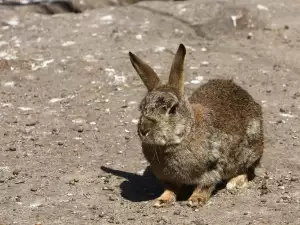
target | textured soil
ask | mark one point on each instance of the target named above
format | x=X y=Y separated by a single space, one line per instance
x=69 y=151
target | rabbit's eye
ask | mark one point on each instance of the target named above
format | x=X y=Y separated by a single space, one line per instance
x=173 y=109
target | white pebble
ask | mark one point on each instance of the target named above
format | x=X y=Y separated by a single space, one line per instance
x=262 y=7
x=89 y=58
x=138 y=37
x=14 y=21
x=54 y=100
x=9 y=84
x=68 y=43
x=110 y=71
x=135 y=121
x=78 y=121
x=35 y=205
x=159 y=49
x=132 y=103
x=106 y=18
x=204 y=63
x=287 y=115
x=195 y=81
x=25 y=108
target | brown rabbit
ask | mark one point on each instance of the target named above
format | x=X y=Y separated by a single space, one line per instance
x=215 y=135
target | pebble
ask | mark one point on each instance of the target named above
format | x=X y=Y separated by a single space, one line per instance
x=112 y=198
x=60 y=143
x=33 y=189
x=11 y=149
x=101 y=214
x=263 y=200
x=111 y=219
x=71 y=182
x=79 y=129
x=296 y=95
x=250 y=35
x=16 y=172
x=177 y=212
x=31 y=122
x=20 y=181
x=204 y=63
x=107 y=189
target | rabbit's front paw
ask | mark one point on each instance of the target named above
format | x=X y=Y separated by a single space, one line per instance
x=167 y=198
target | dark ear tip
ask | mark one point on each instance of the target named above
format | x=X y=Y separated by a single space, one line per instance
x=182 y=48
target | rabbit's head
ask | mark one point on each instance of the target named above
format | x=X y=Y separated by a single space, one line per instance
x=166 y=116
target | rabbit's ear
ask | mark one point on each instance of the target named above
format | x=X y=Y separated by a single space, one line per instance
x=147 y=74
x=176 y=77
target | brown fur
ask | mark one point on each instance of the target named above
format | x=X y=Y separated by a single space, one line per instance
x=216 y=134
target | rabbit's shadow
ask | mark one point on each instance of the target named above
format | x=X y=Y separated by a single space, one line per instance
x=139 y=188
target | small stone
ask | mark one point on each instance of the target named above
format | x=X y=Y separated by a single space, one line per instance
x=71 y=182
x=162 y=220
x=264 y=188
x=107 y=189
x=101 y=214
x=11 y=149
x=60 y=143
x=111 y=219
x=296 y=95
x=294 y=179
x=177 y=212
x=16 y=172
x=283 y=110
x=250 y=35
x=20 y=181
x=76 y=180
x=33 y=189
x=31 y=122
x=112 y=198
x=204 y=63
x=80 y=129
x=263 y=200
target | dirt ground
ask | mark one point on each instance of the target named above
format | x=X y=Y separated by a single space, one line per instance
x=69 y=151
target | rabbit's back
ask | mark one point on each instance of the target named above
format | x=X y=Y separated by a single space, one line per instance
x=233 y=110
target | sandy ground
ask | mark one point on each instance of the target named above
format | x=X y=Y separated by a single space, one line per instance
x=69 y=152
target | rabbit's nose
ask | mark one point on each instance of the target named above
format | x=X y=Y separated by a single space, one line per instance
x=146 y=125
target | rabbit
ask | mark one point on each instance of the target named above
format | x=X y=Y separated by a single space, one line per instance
x=213 y=136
